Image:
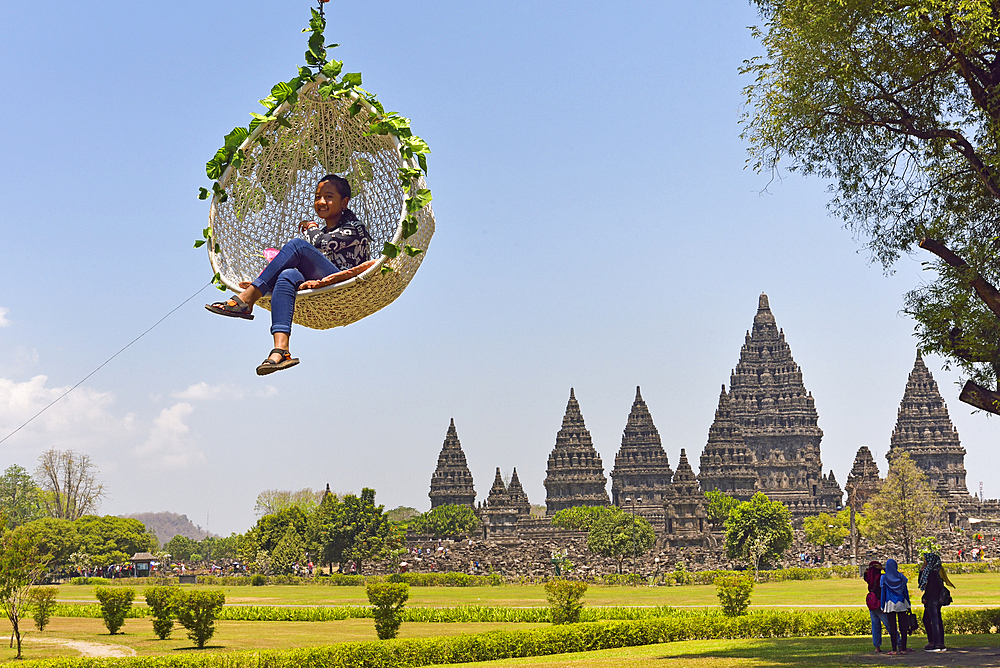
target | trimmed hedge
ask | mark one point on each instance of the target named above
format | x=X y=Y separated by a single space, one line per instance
x=497 y=645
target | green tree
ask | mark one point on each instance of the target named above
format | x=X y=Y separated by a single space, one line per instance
x=180 y=548
x=163 y=603
x=288 y=552
x=446 y=521
x=402 y=514
x=734 y=593
x=20 y=500
x=387 y=599
x=55 y=537
x=758 y=530
x=619 y=535
x=22 y=564
x=196 y=611
x=218 y=548
x=271 y=528
x=273 y=501
x=43 y=602
x=115 y=604
x=355 y=529
x=565 y=600
x=905 y=509
x=895 y=102
x=719 y=507
x=825 y=529
x=581 y=518
x=113 y=540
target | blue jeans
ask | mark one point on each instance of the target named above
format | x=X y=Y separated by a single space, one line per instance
x=298 y=261
x=879 y=619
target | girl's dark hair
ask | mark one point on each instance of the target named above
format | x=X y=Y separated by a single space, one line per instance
x=343 y=188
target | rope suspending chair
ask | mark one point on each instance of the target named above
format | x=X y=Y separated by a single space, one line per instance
x=268 y=188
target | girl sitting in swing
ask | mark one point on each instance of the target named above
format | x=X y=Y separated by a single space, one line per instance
x=342 y=244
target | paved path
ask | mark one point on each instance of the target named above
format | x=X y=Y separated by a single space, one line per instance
x=987 y=657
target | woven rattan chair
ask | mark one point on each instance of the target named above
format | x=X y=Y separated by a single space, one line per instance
x=272 y=191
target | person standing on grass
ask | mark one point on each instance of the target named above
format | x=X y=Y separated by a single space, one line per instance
x=873 y=576
x=895 y=604
x=931 y=584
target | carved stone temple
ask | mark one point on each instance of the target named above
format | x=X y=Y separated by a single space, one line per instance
x=726 y=464
x=778 y=421
x=642 y=471
x=575 y=475
x=684 y=506
x=451 y=482
x=925 y=431
x=863 y=480
x=504 y=508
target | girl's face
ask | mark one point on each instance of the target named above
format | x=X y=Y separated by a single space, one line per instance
x=329 y=204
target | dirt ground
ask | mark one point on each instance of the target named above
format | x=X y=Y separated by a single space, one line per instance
x=987 y=657
x=85 y=648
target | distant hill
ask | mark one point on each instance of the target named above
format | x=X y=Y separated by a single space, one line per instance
x=167 y=525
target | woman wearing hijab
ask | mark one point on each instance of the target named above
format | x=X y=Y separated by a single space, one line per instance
x=931 y=584
x=895 y=603
x=873 y=577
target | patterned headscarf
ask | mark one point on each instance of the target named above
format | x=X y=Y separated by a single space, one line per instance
x=933 y=564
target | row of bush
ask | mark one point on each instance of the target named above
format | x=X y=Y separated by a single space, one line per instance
x=335 y=580
x=497 y=645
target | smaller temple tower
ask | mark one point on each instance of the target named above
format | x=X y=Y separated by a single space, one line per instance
x=642 y=470
x=504 y=507
x=451 y=482
x=575 y=475
x=863 y=481
x=726 y=463
x=684 y=506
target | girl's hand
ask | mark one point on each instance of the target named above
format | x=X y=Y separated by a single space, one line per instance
x=307 y=225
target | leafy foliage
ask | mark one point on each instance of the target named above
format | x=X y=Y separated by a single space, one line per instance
x=619 y=535
x=56 y=537
x=387 y=599
x=113 y=540
x=197 y=610
x=905 y=508
x=564 y=599
x=758 y=530
x=68 y=484
x=734 y=593
x=162 y=601
x=115 y=605
x=446 y=521
x=336 y=84
x=21 y=566
x=581 y=518
x=719 y=506
x=20 y=497
x=825 y=529
x=896 y=104
x=354 y=529
x=43 y=601
x=181 y=547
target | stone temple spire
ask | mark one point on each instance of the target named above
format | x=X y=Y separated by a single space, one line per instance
x=863 y=481
x=641 y=466
x=925 y=431
x=779 y=421
x=575 y=475
x=451 y=482
x=516 y=495
x=726 y=463
x=684 y=506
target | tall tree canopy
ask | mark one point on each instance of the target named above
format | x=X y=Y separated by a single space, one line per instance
x=898 y=103
x=20 y=500
x=758 y=530
x=69 y=484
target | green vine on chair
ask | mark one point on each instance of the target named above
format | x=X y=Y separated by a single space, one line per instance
x=336 y=85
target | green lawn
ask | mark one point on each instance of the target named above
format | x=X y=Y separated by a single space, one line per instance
x=981 y=590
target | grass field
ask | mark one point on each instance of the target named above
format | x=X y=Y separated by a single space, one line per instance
x=981 y=590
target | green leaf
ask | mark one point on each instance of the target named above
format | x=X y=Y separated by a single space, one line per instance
x=236 y=137
x=316 y=45
x=422 y=161
x=325 y=90
x=284 y=122
x=213 y=168
x=202 y=193
x=352 y=78
x=281 y=91
x=332 y=68
x=218 y=249
x=386 y=269
x=412 y=251
x=199 y=243
x=390 y=249
x=410 y=226
x=206 y=232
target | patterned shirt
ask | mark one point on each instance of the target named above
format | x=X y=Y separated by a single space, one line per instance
x=346 y=245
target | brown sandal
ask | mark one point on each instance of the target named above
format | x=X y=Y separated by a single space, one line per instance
x=234 y=307
x=270 y=366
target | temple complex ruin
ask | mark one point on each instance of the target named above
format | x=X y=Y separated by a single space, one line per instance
x=505 y=506
x=575 y=474
x=451 y=482
x=684 y=506
x=726 y=464
x=642 y=471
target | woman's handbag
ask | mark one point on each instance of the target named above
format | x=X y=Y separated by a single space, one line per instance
x=911 y=623
x=945 y=598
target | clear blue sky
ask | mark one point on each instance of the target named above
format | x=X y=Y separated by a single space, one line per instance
x=596 y=229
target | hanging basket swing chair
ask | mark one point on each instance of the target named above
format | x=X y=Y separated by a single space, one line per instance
x=269 y=184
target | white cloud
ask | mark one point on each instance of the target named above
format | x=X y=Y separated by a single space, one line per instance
x=169 y=445
x=204 y=392
x=3 y=317
x=81 y=420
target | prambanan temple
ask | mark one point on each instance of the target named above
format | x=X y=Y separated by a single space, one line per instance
x=764 y=437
